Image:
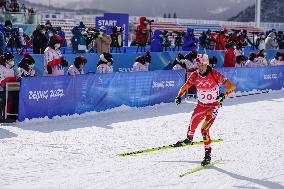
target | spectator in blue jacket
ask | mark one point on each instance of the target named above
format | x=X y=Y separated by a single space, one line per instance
x=156 y=43
x=2 y=40
x=189 y=41
x=78 y=41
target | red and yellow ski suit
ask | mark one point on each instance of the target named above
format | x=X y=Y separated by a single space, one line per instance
x=207 y=107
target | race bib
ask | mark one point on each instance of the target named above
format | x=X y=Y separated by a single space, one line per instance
x=208 y=96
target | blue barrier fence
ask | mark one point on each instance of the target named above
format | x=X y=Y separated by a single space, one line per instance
x=124 y=62
x=65 y=95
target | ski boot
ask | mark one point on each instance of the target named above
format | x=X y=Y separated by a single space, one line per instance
x=207 y=157
x=185 y=142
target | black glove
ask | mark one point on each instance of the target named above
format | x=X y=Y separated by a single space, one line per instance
x=220 y=97
x=49 y=69
x=178 y=100
x=64 y=62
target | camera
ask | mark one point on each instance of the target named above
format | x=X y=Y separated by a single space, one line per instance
x=149 y=21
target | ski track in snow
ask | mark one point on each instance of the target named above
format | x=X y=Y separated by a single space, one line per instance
x=80 y=151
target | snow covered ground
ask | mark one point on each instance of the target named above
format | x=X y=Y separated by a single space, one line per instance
x=80 y=151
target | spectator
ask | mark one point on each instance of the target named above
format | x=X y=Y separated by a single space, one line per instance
x=2 y=40
x=240 y=61
x=251 y=60
x=54 y=62
x=260 y=41
x=220 y=40
x=277 y=60
x=23 y=8
x=24 y=40
x=142 y=32
x=156 y=43
x=260 y=59
x=7 y=74
x=105 y=63
x=142 y=62
x=190 y=61
x=229 y=56
x=77 y=68
x=204 y=39
x=76 y=39
x=39 y=40
x=26 y=67
x=102 y=43
x=189 y=40
x=62 y=35
x=280 y=40
x=49 y=29
x=270 y=41
x=179 y=62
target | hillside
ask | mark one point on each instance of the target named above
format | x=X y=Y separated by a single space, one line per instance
x=271 y=11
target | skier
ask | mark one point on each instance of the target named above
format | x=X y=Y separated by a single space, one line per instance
x=207 y=81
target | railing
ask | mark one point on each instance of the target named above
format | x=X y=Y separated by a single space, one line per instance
x=21 y=18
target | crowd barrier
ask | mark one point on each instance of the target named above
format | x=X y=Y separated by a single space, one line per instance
x=66 y=95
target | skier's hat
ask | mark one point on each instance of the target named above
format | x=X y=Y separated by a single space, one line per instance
x=202 y=58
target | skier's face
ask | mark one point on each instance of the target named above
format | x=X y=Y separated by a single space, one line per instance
x=201 y=67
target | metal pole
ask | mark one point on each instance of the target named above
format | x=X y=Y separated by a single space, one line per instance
x=257 y=12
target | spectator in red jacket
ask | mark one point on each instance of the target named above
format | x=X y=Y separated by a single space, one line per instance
x=229 y=56
x=220 y=40
x=142 y=32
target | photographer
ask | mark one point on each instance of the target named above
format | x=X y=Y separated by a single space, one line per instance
x=54 y=62
x=102 y=43
x=39 y=40
x=189 y=40
x=165 y=40
x=78 y=41
x=178 y=39
x=156 y=43
x=142 y=32
x=116 y=38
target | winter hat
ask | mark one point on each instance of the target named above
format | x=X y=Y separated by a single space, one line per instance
x=202 y=58
x=28 y=59
x=8 y=56
x=139 y=59
x=79 y=60
x=278 y=54
x=191 y=55
x=180 y=56
x=55 y=39
x=106 y=57
x=252 y=56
